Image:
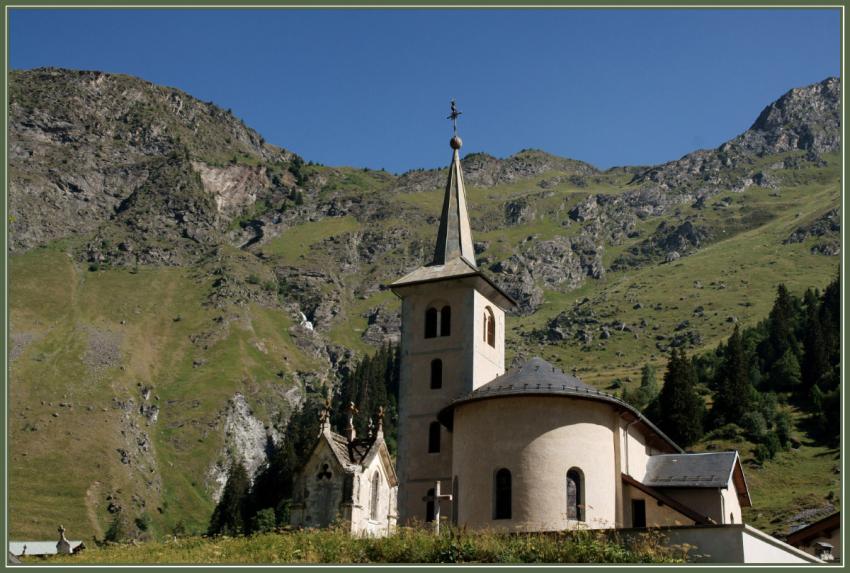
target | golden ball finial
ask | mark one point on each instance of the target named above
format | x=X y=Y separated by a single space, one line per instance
x=456 y=142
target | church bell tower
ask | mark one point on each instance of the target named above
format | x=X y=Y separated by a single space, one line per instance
x=452 y=342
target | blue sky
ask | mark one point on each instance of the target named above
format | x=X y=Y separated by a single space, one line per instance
x=372 y=87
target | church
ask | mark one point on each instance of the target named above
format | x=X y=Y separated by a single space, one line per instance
x=532 y=449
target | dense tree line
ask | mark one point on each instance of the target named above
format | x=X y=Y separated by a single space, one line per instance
x=791 y=357
x=246 y=507
x=371 y=384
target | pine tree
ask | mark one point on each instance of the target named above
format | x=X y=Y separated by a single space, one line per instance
x=734 y=396
x=229 y=516
x=780 y=329
x=815 y=358
x=680 y=408
x=646 y=392
x=785 y=373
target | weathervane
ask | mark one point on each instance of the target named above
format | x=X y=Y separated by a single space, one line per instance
x=453 y=116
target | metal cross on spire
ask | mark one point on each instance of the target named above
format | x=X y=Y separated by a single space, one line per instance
x=453 y=116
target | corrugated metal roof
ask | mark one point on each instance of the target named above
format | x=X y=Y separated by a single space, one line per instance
x=713 y=469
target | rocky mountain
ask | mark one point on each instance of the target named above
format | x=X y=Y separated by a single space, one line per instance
x=178 y=285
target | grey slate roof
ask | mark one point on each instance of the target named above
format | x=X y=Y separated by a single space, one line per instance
x=538 y=377
x=712 y=469
x=530 y=377
x=454 y=237
x=350 y=454
x=457 y=268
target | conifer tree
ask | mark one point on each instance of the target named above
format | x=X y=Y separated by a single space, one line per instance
x=680 y=408
x=780 y=329
x=734 y=395
x=830 y=319
x=646 y=392
x=230 y=514
x=815 y=359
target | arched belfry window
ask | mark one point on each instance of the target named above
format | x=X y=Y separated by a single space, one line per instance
x=575 y=495
x=431 y=322
x=446 y=321
x=376 y=486
x=489 y=327
x=502 y=494
x=434 y=438
x=429 y=505
x=436 y=374
x=438 y=322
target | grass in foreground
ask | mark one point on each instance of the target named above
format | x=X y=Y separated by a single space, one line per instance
x=409 y=545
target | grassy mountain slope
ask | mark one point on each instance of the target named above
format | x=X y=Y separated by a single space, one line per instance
x=156 y=307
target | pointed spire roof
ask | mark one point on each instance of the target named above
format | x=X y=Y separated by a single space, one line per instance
x=454 y=237
x=454 y=254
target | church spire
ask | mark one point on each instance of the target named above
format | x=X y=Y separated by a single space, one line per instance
x=454 y=238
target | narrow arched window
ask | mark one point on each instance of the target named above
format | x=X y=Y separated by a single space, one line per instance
x=484 y=326
x=489 y=327
x=376 y=486
x=575 y=495
x=431 y=323
x=455 y=501
x=436 y=374
x=434 y=438
x=502 y=487
x=446 y=321
x=429 y=505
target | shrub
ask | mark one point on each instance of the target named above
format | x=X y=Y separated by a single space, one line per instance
x=725 y=432
x=143 y=522
x=264 y=521
x=755 y=424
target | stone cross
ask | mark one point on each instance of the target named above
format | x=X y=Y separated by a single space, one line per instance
x=437 y=498
x=453 y=116
x=63 y=546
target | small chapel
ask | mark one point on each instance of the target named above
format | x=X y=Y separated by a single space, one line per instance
x=347 y=480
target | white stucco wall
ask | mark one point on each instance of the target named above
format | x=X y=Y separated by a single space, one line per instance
x=468 y=362
x=488 y=361
x=657 y=514
x=361 y=514
x=731 y=505
x=538 y=439
x=634 y=453
x=735 y=544
x=715 y=503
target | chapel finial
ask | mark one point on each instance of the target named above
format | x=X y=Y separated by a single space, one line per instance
x=379 y=431
x=324 y=416
x=352 y=409
x=456 y=141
